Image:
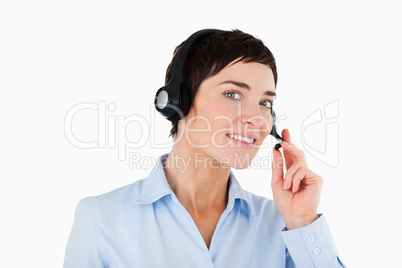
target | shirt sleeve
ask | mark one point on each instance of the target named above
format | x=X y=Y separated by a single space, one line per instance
x=311 y=246
x=82 y=247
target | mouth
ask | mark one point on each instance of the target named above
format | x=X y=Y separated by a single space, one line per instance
x=243 y=139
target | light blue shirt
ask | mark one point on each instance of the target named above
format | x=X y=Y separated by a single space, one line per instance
x=144 y=225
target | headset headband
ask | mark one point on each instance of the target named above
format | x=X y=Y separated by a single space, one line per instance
x=182 y=54
x=173 y=99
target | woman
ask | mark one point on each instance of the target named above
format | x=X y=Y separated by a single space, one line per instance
x=191 y=211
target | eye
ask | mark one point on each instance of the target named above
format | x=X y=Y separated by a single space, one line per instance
x=232 y=94
x=267 y=104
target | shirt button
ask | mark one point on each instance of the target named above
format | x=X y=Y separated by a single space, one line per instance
x=317 y=251
x=311 y=238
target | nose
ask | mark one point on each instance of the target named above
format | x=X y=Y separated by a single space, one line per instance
x=254 y=122
x=251 y=116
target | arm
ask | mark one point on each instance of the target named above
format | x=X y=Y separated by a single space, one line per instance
x=296 y=195
x=82 y=248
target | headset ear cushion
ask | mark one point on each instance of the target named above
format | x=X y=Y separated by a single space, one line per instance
x=183 y=105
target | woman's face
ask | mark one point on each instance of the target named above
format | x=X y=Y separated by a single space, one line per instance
x=235 y=102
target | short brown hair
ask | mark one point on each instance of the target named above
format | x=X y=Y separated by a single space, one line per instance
x=210 y=55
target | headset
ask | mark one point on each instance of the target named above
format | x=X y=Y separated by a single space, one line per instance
x=173 y=100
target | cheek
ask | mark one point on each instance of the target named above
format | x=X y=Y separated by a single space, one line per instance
x=220 y=116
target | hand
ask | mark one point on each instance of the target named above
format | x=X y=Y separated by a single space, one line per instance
x=297 y=194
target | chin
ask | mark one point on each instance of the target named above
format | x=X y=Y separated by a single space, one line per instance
x=241 y=160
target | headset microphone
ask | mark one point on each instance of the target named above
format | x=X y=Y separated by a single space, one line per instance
x=173 y=100
x=274 y=132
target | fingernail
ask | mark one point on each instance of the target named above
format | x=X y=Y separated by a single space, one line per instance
x=285 y=185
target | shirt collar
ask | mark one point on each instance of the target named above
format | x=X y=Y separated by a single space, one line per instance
x=155 y=187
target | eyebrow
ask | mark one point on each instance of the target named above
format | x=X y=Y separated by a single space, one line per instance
x=243 y=85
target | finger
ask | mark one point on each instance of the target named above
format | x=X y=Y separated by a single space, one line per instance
x=312 y=178
x=287 y=155
x=296 y=153
x=286 y=135
x=297 y=178
x=287 y=184
x=277 y=168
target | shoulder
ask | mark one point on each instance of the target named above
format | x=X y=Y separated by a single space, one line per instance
x=110 y=209
x=121 y=195
x=115 y=199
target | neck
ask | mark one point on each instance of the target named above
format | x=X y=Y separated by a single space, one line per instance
x=199 y=183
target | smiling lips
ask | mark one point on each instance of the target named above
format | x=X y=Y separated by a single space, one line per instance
x=240 y=138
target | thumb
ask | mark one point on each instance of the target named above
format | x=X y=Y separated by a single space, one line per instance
x=277 y=167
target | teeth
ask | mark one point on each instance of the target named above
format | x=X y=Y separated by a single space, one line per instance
x=240 y=138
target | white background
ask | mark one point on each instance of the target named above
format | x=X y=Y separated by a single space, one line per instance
x=55 y=55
